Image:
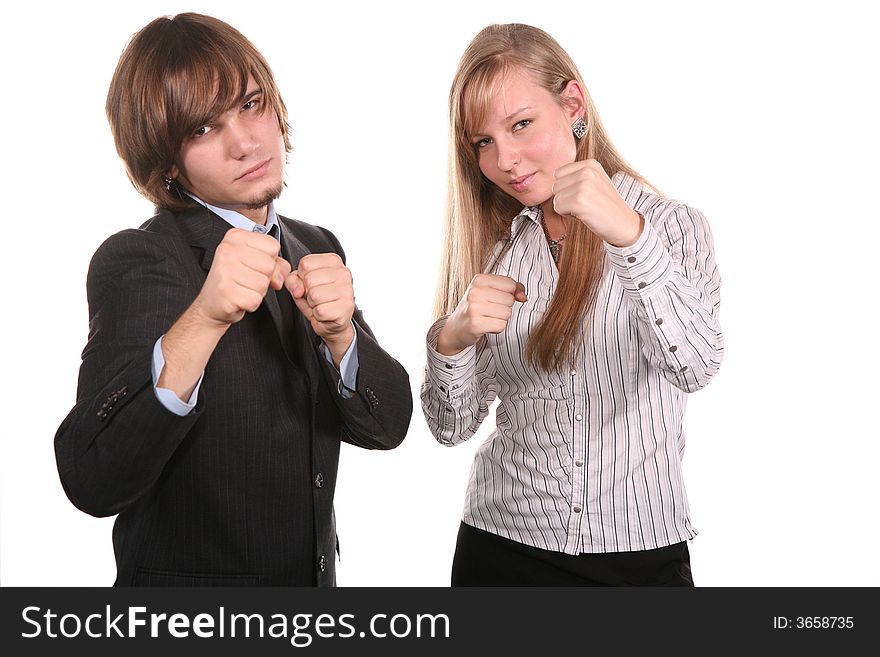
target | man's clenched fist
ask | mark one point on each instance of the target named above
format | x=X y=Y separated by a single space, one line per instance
x=322 y=289
x=245 y=265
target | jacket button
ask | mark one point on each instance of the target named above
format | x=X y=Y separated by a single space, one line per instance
x=322 y=563
x=319 y=480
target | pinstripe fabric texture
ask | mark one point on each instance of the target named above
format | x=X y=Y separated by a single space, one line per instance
x=588 y=460
x=240 y=491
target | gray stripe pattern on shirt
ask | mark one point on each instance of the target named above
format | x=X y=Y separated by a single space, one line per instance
x=589 y=459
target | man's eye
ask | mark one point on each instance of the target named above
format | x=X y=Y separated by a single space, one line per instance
x=251 y=104
x=202 y=131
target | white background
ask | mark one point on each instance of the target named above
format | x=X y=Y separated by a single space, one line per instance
x=762 y=115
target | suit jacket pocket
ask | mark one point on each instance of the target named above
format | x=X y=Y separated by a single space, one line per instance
x=149 y=577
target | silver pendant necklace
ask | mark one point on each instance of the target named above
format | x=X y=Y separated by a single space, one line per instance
x=555 y=246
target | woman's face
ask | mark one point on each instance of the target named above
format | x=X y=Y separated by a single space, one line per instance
x=526 y=136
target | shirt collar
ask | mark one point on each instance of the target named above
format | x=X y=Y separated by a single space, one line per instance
x=532 y=213
x=238 y=220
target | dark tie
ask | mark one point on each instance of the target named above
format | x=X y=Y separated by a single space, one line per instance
x=291 y=318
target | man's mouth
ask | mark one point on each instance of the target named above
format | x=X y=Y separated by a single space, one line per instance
x=255 y=171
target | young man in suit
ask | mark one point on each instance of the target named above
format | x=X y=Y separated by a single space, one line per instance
x=226 y=359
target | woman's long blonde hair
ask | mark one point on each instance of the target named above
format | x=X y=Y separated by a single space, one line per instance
x=479 y=214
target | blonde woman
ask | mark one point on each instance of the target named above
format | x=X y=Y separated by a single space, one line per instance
x=587 y=304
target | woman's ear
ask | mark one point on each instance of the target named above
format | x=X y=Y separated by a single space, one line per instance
x=573 y=100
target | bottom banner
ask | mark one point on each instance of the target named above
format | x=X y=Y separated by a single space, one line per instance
x=397 y=621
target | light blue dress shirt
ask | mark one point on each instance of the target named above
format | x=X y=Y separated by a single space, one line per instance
x=348 y=367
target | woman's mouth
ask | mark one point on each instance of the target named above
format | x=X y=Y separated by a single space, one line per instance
x=521 y=184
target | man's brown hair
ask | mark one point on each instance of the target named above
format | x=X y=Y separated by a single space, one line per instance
x=174 y=76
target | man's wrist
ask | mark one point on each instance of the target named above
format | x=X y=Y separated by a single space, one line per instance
x=339 y=343
x=201 y=319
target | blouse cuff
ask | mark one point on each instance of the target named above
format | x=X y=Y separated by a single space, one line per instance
x=643 y=268
x=448 y=373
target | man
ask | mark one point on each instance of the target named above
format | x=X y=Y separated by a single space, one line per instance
x=226 y=359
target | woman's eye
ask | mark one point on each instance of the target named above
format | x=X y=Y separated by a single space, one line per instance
x=519 y=125
x=482 y=143
x=202 y=131
x=251 y=104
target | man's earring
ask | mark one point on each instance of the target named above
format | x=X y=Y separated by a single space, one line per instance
x=167 y=182
x=579 y=128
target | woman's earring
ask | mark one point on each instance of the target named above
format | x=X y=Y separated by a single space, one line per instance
x=579 y=127
x=167 y=182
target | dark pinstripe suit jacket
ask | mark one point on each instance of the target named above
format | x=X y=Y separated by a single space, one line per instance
x=240 y=491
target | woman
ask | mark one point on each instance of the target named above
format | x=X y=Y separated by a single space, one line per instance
x=588 y=306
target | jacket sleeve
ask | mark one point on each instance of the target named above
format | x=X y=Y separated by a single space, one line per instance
x=671 y=277
x=116 y=440
x=378 y=414
x=457 y=390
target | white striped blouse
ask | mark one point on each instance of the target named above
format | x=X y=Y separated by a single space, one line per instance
x=589 y=460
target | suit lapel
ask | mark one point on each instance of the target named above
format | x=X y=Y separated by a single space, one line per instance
x=204 y=231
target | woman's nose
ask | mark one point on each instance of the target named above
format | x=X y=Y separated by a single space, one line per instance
x=508 y=156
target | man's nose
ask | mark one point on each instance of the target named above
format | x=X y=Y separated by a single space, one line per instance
x=240 y=139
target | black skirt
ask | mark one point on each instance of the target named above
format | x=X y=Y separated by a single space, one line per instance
x=484 y=559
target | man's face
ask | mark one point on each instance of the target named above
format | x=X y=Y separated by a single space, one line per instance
x=236 y=161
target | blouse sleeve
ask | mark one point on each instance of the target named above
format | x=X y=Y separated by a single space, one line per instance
x=671 y=277
x=457 y=390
